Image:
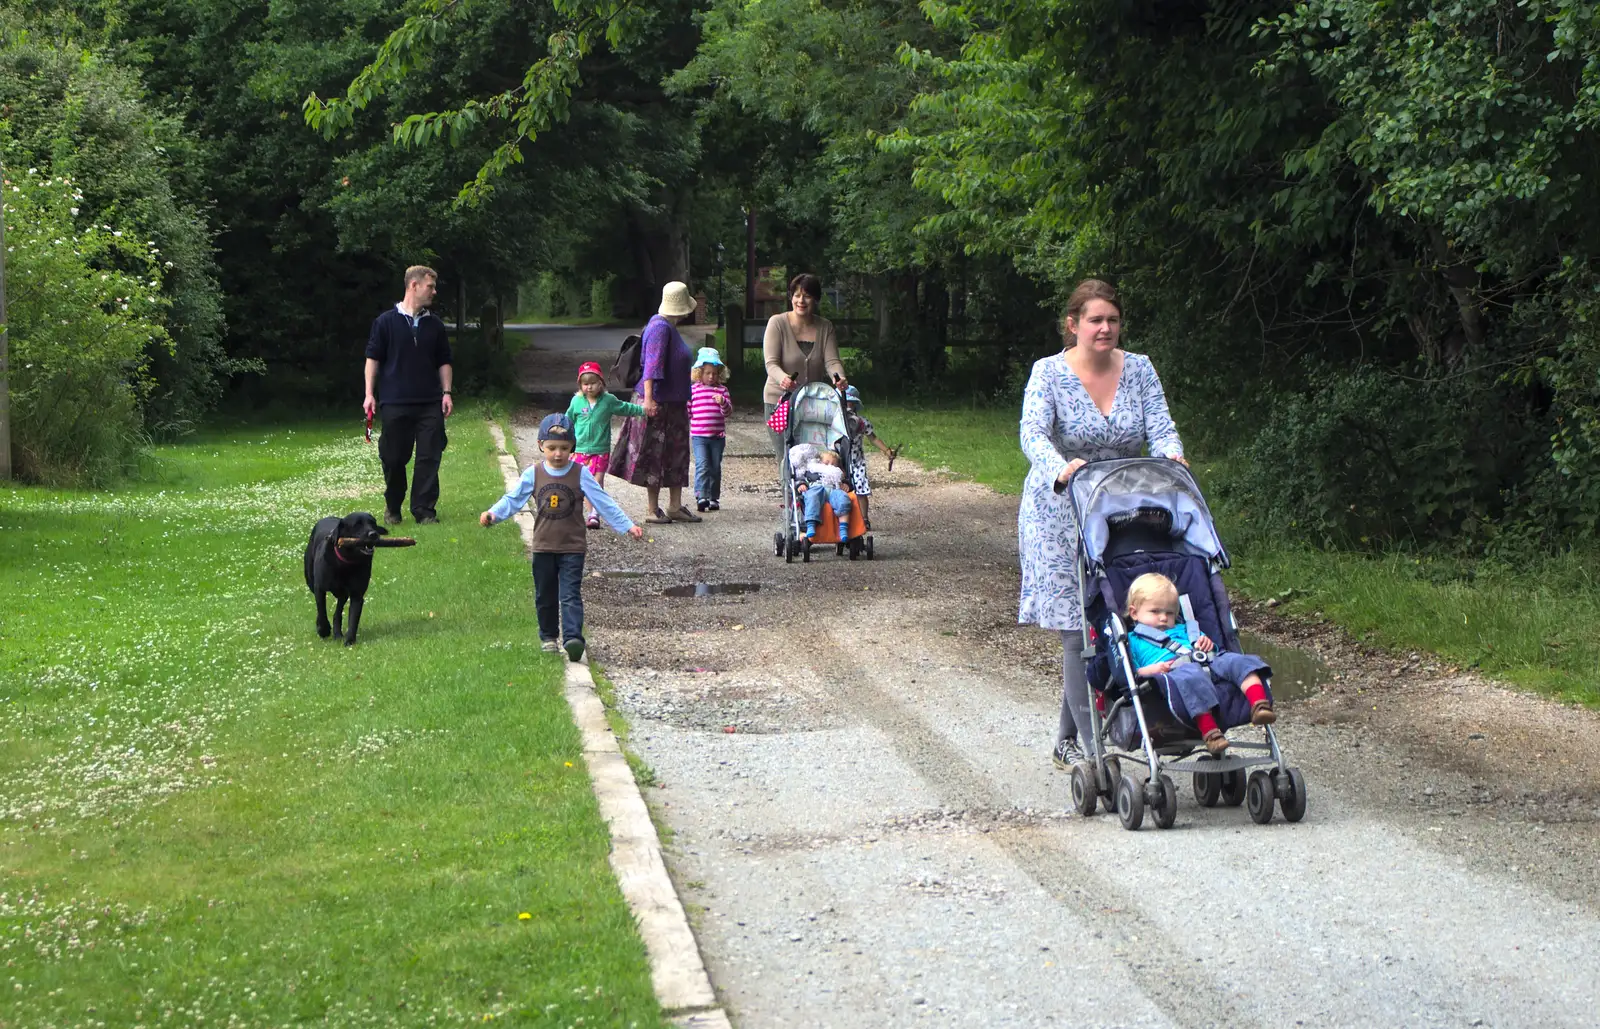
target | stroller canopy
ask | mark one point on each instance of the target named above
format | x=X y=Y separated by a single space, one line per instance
x=816 y=416
x=1153 y=493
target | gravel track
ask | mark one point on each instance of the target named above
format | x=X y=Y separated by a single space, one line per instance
x=882 y=841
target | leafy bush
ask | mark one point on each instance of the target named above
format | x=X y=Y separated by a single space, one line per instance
x=1363 y=456
x=600 y=297
x=85 y=117
x=545 y=296
x=81 y=330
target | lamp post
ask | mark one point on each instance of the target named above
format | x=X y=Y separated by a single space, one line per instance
x=719 y=286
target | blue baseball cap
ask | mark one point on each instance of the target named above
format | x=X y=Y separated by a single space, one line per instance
x=557 y=427
x=851 y=396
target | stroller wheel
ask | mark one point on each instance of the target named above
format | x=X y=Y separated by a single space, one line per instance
x=1233 y=788
x=1294 y=800
x=1258 y=797
x=777 y=544
x=1083 y=794
x=805 y=551
x=789 y=549
x=1207 y=787
x=1164 y=806
x=1130 y=803
x=869 y=548
x=1110 y=774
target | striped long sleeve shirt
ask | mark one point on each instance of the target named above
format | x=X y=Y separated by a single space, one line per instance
x=709 y=407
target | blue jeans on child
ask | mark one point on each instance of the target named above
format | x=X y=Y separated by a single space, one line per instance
x=558 y=588
x=811 y=503
x=708 y=466
x=1198 y=690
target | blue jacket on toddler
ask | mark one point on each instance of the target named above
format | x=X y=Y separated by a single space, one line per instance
x=1192 y=688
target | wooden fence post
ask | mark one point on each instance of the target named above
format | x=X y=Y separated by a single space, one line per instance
x=733 y=340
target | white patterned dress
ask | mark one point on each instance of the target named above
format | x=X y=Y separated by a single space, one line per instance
x=1061 y=422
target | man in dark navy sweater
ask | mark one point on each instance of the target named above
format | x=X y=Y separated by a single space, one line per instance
x=409 y=374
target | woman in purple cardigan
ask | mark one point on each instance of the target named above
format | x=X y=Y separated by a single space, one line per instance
x=653 y=451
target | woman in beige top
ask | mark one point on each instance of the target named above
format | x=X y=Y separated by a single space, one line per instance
x=799 y=348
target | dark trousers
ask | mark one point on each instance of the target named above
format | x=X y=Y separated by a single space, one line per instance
x=408 y=426
x=558 y=595
x=708 y=466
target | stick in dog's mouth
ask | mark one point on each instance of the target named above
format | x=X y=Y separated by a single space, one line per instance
x=381 y=541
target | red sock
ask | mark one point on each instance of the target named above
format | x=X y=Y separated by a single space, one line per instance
x=1255 y=694
x=1205 y=723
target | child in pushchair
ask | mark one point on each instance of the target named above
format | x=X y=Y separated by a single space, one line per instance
x=819 y=479
x=1147 y=547
x=1160 y=643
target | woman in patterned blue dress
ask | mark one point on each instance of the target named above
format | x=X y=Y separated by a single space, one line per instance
x=1090 y=402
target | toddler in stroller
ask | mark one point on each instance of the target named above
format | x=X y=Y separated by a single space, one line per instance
x=819 y=479
x=1161 y=644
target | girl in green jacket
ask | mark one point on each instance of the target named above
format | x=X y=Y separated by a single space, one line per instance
x=591 y=411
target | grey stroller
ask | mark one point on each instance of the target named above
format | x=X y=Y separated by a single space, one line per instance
x=1139 y=515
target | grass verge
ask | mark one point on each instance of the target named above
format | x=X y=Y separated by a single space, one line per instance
x=1522 y=625
x=211 y=816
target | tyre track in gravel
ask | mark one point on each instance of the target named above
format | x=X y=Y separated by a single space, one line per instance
x=881 y=840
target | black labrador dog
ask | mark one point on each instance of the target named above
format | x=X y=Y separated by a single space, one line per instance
x=343 y=571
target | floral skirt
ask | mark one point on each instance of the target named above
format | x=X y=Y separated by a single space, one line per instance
x=654 y=452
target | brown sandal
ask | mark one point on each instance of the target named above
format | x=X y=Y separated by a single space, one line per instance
x=659 y=518
x=1216 y=743
x=683 y=514
x=1261 y=713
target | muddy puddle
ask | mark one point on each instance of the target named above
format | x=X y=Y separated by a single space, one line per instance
x=711 y=589
x=1296 y=674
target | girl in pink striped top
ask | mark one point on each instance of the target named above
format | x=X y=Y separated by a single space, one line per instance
x=709 y=407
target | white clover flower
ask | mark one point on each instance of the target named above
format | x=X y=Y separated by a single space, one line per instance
x=74 y=211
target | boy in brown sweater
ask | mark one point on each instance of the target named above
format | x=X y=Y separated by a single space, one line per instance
x=560 y=538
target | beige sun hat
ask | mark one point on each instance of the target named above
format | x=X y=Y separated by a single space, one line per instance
x=675 y=300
